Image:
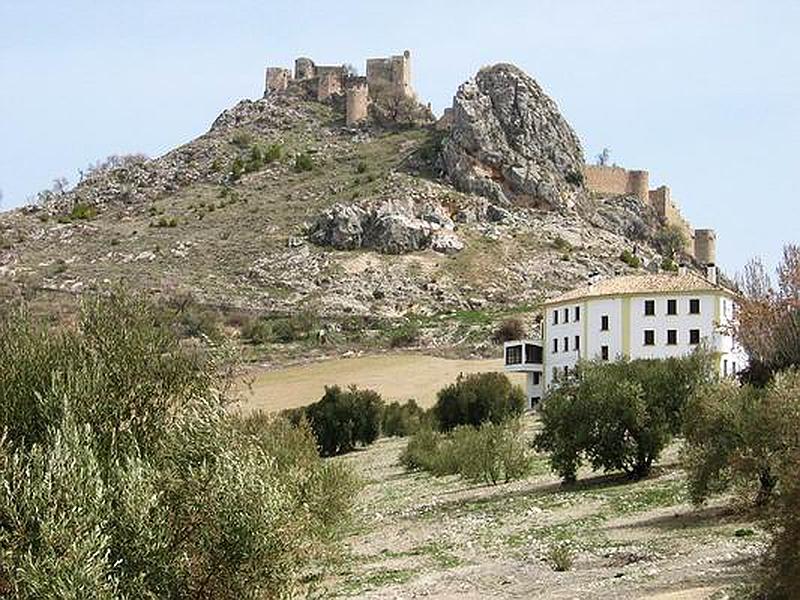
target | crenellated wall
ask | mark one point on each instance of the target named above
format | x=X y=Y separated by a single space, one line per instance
x=616 y=181
x=394 y=71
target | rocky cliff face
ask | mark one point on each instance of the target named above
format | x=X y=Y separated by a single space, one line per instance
x=509 y=143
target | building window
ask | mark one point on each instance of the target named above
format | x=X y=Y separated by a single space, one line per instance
x=733 y=368
x=672 y=307
x=649 y=337
x=725 y=367
x=555 y=345
x=694 y=336
x=555 y=373
x=555 y=317
x=533 y=354
x=537 y=377
x=604 y=352
x=604 y=323
x=566 y=344
x=649 y=307
x=513 y=355
x=577 y=313
x=577 y=343
x=694 y=306
x=566 y=315
x=672 y=337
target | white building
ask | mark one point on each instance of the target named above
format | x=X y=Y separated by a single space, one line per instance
x=636 y=316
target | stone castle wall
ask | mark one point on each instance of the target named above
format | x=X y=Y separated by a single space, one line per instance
x=394 y=71
x=616 y=181
x=700 y=243
x=357 y=101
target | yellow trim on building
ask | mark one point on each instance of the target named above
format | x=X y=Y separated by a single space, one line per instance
x=585 y=340
x=626 y=326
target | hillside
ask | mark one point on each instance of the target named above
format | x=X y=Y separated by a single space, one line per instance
x=281 y=207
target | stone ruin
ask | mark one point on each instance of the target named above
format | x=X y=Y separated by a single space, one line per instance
x=330 y=83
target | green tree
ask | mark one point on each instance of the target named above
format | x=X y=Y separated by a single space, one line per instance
x=618 y=416
x=476 y=398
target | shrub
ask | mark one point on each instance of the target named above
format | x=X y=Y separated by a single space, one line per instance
x=242 y=139
x=574 y=178
x=560 y=557
x=508 y=330
x=82 y=211
x=476 y=398
x=402 y=419
x=342 y=419
x=491 y=454
x=303 y=162
x=361 y=167
x=671 y=241
x=618 y=416
x=407 y=334
x=630 y=259
x=667 y=264
x=122 y=475
x=273 y=153
x=562 y=245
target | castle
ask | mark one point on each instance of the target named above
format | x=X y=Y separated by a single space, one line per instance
x=390 y=75
x=701 y=244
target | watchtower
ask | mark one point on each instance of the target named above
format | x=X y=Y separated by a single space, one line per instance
x=357 y=101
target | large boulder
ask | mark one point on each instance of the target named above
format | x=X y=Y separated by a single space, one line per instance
x=395 y=226
x=509 y=143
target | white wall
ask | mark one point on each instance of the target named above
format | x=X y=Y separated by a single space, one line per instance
x=716 y=311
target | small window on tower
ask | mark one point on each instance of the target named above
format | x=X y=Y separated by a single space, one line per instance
x=577 y=313
x=566 y=315
x=604 y=352
x=577 y=343
x=604 y=323
x=555 y=317
x=537 y=377
x=566 y=344
x=555 y=345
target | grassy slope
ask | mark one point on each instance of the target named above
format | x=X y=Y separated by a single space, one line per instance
x=444 y=538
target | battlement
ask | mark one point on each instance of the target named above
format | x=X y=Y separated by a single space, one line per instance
x=393 y=72
x=616 y=181
x=390 y=75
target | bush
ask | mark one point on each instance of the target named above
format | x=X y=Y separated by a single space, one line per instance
x=122 y=474
x=574 y=178
x=630 y=259
x=82 y=212
x=560 y=557
x=297 y=327
x=562 y=245
x=741 y=437
x=303 y=162
x=402 y=419
x=476 y=398
x=407 y=334
x=490 y=454
x=509 y=330
x=618 y=416
x=342 y=419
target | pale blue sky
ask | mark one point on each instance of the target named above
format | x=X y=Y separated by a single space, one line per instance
x=703 y=94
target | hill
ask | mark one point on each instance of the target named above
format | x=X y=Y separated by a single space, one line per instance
x=282 y=207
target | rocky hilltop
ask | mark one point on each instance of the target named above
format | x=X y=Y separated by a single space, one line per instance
x=281 y=206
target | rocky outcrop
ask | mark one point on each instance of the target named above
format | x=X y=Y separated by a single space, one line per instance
x=388 y=226
x=509 y=143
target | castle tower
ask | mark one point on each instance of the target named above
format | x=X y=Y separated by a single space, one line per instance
x=304 y=68
x=276 y=80
x=705 y=246
x=393 y=73
x=639 y=182
x=357 y=101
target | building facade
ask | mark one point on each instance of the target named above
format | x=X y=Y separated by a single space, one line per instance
x=636 y=316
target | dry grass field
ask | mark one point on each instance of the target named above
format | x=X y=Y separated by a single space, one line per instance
x=396 y=376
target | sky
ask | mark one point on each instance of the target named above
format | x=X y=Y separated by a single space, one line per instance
x=704 y=94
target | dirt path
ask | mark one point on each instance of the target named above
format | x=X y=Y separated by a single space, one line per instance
x=395 y=376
